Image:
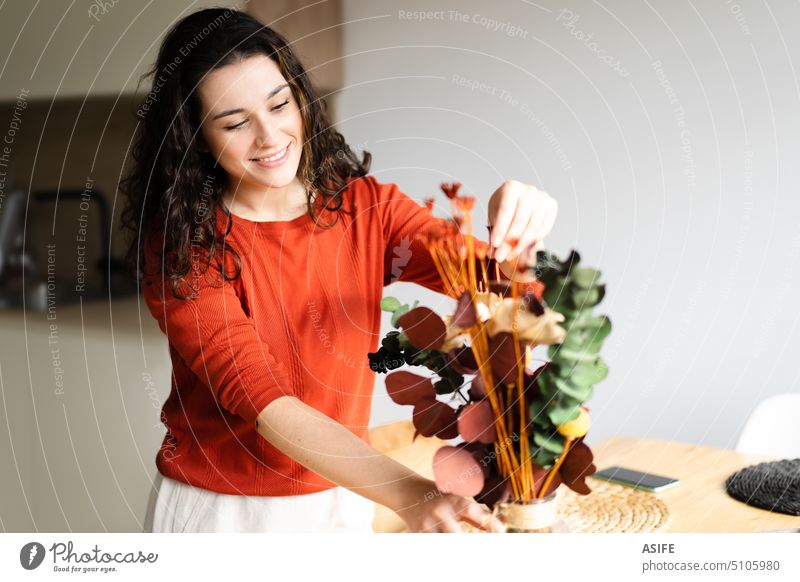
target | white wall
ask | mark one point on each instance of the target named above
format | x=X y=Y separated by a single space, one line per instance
x=669 y=138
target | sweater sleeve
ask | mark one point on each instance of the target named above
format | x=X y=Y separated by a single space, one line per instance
x=219 y=343
x=405 y=258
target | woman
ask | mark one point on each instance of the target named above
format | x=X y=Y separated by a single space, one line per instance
x=263 y=247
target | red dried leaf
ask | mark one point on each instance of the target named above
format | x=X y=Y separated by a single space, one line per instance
x=539 y=476
x=496 y=489
x=531 y=302
x=476 y=423
x=503 y=357
x=407 y=388
x=477 y=388
x=456 y=471
x=424 y=329
x=577 y=466
x=462 y=360
x=465 y=315
x=434 y=418
x=532 y=388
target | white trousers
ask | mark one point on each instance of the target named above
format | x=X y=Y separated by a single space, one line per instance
x=177 y=507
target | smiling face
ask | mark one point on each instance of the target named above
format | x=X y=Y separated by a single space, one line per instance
x=252 y=124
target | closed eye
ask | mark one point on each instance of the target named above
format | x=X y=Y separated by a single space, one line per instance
x=241 y=123
x=237 y=126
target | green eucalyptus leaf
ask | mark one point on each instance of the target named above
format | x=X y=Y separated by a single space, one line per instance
x=553 y=443
x=583 y=342
x=547 y=387
x=390 y=304
x=580 y=392
x=587 y=322
x=574 y=356
x=574 y=340
x=585 y=277
x=557 y=294
x=564 y=411
x=604 y=331
x=583 y=298
x=538 y=411
x=557 y=369
x=588 y=373
x=544 y=458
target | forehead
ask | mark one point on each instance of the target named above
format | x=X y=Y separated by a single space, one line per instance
x=242 y=84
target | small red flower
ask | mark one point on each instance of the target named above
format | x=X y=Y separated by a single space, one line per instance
x=450 y=190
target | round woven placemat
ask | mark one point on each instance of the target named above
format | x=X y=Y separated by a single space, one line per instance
x=611 y=508
x=774 y=486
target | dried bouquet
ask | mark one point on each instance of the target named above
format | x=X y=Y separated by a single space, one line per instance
x=522 y=428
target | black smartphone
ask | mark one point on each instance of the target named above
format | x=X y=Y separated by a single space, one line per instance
x=636 y=479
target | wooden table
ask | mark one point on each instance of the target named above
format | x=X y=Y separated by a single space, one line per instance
x=699 y=503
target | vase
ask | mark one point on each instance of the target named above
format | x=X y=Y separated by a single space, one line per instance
x=531 y=516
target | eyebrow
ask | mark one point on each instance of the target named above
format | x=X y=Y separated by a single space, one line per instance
x=271 y=94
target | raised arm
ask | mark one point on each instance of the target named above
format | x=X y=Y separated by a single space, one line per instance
x=521 y=214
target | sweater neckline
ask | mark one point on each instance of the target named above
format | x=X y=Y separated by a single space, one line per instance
x=299 y=222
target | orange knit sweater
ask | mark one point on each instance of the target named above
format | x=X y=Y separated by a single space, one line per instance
x=299 y=321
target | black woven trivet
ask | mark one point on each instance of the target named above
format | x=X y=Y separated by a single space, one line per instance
x=774 y=486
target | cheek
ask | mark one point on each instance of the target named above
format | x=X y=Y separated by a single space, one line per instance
x=232 y=147
x=295 y=123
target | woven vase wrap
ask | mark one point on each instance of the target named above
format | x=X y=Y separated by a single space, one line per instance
x=537 y=515
x=774 y=486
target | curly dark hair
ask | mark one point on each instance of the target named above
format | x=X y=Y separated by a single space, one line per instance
x=174 y=185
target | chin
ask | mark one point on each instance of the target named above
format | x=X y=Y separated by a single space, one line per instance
x=279 y=178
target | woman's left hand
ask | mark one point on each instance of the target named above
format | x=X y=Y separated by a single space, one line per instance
x=521 y=216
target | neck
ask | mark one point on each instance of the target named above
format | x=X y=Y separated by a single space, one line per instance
x=265 y=204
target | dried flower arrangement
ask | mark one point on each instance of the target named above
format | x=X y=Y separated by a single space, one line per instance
x=522 y=428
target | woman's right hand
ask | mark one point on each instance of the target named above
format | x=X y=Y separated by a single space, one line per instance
x=437 y=512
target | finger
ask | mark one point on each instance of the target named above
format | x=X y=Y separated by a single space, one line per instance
x=540 y=227
x=545 y=221
x=482 y=518
x=544 y=218
x=526 y=239
x=505 y=214
x=526 y=207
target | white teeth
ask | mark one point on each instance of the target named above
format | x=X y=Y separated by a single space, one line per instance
x=273 y=158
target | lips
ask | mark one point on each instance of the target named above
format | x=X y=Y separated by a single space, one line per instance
x=272 y=157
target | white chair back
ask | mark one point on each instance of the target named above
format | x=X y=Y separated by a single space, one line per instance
x=773 y=428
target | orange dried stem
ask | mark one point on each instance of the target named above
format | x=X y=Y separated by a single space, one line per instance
x=551 y=474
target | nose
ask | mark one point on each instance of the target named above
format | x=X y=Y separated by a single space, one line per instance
x=267 y=135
